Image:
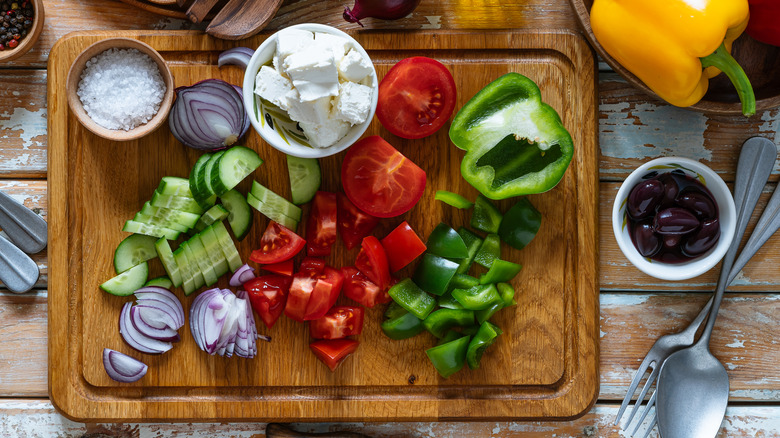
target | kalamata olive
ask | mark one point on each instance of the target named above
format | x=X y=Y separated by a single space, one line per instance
x=671 y=188
x=675 y=220
x=697 y=202
x=644 y=198
x=703 y=239
x=645 y=240
x=672 y=240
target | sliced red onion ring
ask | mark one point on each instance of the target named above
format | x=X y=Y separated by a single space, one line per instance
x=136 y=339
x=165 y=296
x=122 y=367
x=223 y=324
x=239 y=56
x=161 y=334
x=242 y=275
x=156 y=316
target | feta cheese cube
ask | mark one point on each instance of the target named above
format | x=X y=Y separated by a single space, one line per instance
x=338 y=45
x=313 y=112
x=325 y=134
x=353 y=103
x=271 y=86
x=354 y=67
x=313 y=72
x=289 y=41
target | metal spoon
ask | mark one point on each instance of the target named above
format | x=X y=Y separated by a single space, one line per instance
x=18 y=271
x=693 y=386
x=26 y=229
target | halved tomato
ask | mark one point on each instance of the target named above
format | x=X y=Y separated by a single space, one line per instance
x=380 y=180
x=321 y=225
x=339 y=322
x=416 y=97
x=372 y=262
x=402 y=246
x=333 y=351
x=278 y=244
x=358 y=287
x=268 y=295
x=353 y=224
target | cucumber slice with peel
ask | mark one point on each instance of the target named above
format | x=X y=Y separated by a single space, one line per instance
x=180 y=217
x=228 y=246
x=127 y=282
x=158 y=221
x=275 y=201
x=213 y=214
x=272 y=213
x=214 y=251
x=305 y=178
x=240 y=215
x=202 y=196
x=173 y=202
x=150 y=230
x=163 y=282
x=202 y=259
x=134 y=250
x=197 y=275
x=187 y=275
x=163 y=249
x=232 y=167
x=209 y=172
x=173 y=185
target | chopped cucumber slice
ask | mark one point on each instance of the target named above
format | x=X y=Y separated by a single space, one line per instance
x=214 y=214
x=134 y=250
x=228 y=246
x=150 y=230
x=202 y=259
x=181 y=217
x=203 y=197
x=168 y=261
x=214 y=251
x=272 y=213
x=163 y=282
x=209 y=172
x=273 y=200
x=240 y=217
x=197 y=275
x=174 y=202
x=232 y=167
x=127 y=282
x=158 y=221
x=305 y=178
x=187 y=275
x=173 y=185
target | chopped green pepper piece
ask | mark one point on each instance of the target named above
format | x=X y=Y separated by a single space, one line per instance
x=412 y=298
x=486 y=216
x=434 y=273
x=516 y=144
x=485 y=337
x=520 y=224
x=485 y=314
x=478 y=297
x=500 y=271
x=453 y=199
x=473 y=242
x=489 y=250
x=444 y=241
x=394 y=310
x=507 y=293
x=449 y=358
x=463 y=281
x=442 y=320
x=403 y=327
x=449 y=302
x=450 y=336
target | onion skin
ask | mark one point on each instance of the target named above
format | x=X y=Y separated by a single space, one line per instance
x=239 y=56
x=381 y=9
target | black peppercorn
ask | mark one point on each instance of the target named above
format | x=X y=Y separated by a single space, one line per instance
x=27 y=23
x=3 y=38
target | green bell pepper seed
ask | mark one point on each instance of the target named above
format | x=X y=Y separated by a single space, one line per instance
x=442 y=320
x=484 y=338
x=453 y=199
x=434 y=273
x=473 y=242
x=500 y=271
x=479 y=297
x=485 y=314
x=449 y=337
x=412 y=298
x=394 y=310
x=520 y=224
x=403 y=327
x=449 y=358
x=444 y=241
x=449 y=302
x=486 y=216
x=507 y=293
x=489 y=250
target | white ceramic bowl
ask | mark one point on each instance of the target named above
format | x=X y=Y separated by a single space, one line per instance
x=287 y=143
x=727 y=212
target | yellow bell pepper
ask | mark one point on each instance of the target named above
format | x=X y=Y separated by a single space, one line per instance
x=675 y=46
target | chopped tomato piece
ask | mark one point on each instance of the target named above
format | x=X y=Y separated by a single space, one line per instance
x=312 y=264
x=321 y=225
x=353 y=223
x=283 y=268
x=358 y=287
x=268 y=295
x=315 y=289
x=339 y=322
x=372 y=262
x=300 y=293
x=278 y=244
x=402 y=246
x=333 y=351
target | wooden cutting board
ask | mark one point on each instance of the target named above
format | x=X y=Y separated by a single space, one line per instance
x=544 y=366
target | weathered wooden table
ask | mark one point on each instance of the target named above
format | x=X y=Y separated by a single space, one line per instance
x=635 y=309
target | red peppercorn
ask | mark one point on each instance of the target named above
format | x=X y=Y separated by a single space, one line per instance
x=13 y=43
x=2 y=47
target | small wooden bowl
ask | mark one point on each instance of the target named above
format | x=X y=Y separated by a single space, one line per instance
x=32 y=35
x=760 y=61
x=74 y=77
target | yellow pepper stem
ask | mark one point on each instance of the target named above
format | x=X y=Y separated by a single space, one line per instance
x=723 y=61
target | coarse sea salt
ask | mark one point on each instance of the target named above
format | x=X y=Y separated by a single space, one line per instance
x=121 y=89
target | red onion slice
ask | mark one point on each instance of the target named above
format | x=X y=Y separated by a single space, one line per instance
x=161 y=334
x=122 y=367
x=222 y=323
x=155 y=316
x=239 y=56
x=164 y=295
x=136 y=339
x=242 y=275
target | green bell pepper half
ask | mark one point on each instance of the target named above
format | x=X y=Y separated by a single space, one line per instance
x=489 y=251
x=444 y=241
x=412 y=298
x=403 y=327
x=434 y=273
x=473 y=242
x=440 y=321
x=515 y=144
x=485 y=337
x=520 y=224
x=486 y=216
x=500 y=271
x=453 y=199
x=479 y=297
x=449 y=358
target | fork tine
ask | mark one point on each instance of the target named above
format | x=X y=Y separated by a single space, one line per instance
x=648 y=384
x=632 y=387
x=649 y=406
x=651 y=427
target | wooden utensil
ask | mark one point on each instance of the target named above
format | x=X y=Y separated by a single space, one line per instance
x=238 y=19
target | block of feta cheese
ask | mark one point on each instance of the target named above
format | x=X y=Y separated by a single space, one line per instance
x=313 y=72
x=289 y=41
x=272 y=86
x=354 y=67
x=353 y=103
x=313 y=112
x=325 y=134
x=338 y=45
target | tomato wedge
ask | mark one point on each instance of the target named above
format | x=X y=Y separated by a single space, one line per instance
x=359 y=288
x=278 y=244
x=372 y=262
x=283 y=268
x=380 y=180
x=333 y=351
x=416 y=97
x=321 y=225
x=299 y=295
x=314 y=290
x=402 y=246
x=339 y=322
x=353 y=224
x=268 y=295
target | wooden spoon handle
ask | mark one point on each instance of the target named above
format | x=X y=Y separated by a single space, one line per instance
x=276 y=430
x=199 y=9
x=241 y=19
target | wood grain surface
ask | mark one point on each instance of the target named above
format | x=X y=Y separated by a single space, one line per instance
x=547 y=368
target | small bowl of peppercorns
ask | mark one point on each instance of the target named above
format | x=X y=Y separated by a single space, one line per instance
x=21 y=23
